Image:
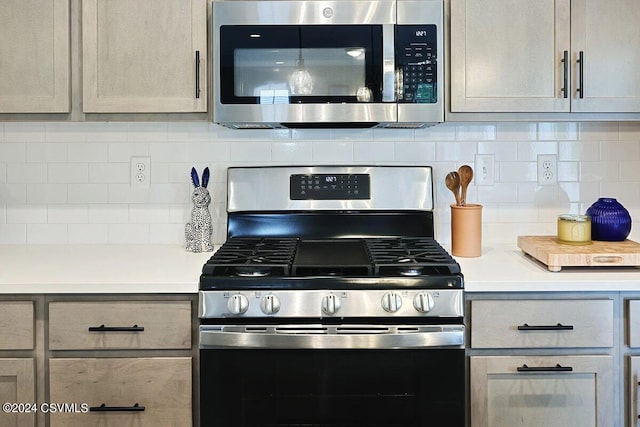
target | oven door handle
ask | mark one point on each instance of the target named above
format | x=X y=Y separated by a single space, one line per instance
x=331 y=337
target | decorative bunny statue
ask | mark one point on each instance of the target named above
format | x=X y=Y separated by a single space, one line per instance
x=198 y=232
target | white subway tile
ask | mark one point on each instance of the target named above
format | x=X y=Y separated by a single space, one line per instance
x=87 y=193
x=12 y=152
x=122 y=153
x=629 y=171
x=598 y=131
x=92 y=152
x=2 y=132
x=149 y=214
x=455 y=151
x=625 y=194
x=26 y=214
x=65 y=132
x=352 y=134
x=67 y=214
x=24 y=132
x=415 y=151
x=557 y=131
x=3 y=214
x=108 y=173
x=516 y=212
x=439 y=132
x=476 y=132
x=221 y=151
x=516 y=131
x=147 y=132
x=568 y=171
x=393 y=135
x=585 y=151
x=250 y=152
x=310 y=134
x=106 y=131
x=191 y=131
x=373 y=151
x=170 y=152
x=45 y=234
x=498 y=193
x=123 y=193
x=529 y=150
x=128 y=233
x=65 y=173
x=629 y=131
x=46 y=193
x=28 y=173
x=3 y=173
x=620 y=150
x=13 y=234
x=88 y=234
x=166 y=234
x=332 y=152
x=599 y=171
x=113 y=213
x=517 y=171
x=169 y=193
x=294 y=152
x=48 y=152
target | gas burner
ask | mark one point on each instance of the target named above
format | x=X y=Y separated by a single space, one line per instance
x=252 y=271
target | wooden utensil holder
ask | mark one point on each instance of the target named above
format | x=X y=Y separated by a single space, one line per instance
x=466 y=230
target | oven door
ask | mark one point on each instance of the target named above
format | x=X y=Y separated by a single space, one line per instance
x=295 y=62
x=356 y=376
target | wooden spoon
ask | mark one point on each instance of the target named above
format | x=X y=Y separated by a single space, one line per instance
x=452 y=181
x=466 y=175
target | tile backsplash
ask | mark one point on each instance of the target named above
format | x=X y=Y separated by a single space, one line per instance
x=69 y=183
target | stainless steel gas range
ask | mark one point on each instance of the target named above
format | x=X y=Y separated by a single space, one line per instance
x=331 y=303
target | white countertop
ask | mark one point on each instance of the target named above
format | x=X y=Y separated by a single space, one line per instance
x=49 y=269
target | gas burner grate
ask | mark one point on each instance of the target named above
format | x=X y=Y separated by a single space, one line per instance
x=408 y=256
x=252 y=257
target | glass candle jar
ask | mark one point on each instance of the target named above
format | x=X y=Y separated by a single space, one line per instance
x=574 y=229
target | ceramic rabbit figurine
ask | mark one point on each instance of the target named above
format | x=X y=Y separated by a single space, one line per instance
x=198 y=231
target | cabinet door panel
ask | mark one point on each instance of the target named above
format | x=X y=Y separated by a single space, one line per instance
x=506 y=55
x=34 y=56
x=16 y=325
x=608 y=34
x=161 y=385
x=502 y=396
x=17 y=385
x=140 y=55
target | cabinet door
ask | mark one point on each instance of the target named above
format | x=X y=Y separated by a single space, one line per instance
x=606 y=32
x=142 y=55
x=507 y=55
x=34 y=56
x=17 y=385
x=137 y=392
x=550 y=391
x=634 y=391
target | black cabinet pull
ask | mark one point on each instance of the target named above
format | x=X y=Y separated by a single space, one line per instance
x=557 y=368
x=580 y=89
x=104 y=408
x=197 y=74
x=557 y=327
x=565 y=74
x=102 y=328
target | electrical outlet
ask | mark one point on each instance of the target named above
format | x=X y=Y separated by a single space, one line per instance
x=140 y=172
x=484 y=173
x=547 y=169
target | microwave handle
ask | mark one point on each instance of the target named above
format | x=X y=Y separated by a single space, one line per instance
x=388 y=63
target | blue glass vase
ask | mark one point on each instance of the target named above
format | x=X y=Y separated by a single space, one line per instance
x=610 y=221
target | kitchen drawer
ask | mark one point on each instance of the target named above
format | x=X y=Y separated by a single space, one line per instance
x=137 y=392
x=16 y=325
x=541 y=323
x=120 y=325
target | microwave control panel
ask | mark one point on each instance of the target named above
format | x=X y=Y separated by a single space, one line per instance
x=416 y=63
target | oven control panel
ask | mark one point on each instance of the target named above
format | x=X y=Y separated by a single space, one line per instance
x=355 y=186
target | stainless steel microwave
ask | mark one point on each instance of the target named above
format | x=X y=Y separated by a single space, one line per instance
x=317 y=63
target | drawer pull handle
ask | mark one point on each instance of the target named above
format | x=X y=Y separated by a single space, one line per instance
x=557 y=327
x=557 y=368
x=104 y=408
x=102 y=328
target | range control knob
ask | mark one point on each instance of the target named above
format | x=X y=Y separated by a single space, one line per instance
x=238 y=304
x=270 y=304
x=423 y=302
x=391 y=302
x=330 y=304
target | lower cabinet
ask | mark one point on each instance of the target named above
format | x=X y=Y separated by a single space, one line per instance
x=106 y=392
x=544 y=360
x=550 y=391
x=17 y=392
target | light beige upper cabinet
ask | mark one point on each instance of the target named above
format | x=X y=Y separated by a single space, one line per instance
x=144 y=56
x=34 y=56
x=545 y=56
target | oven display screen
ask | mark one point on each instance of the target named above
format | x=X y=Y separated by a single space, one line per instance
x=330 y=187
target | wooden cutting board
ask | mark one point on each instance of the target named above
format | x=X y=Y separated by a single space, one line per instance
x=554 y=255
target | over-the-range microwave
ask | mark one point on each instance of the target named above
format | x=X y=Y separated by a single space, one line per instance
x=318 y=63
